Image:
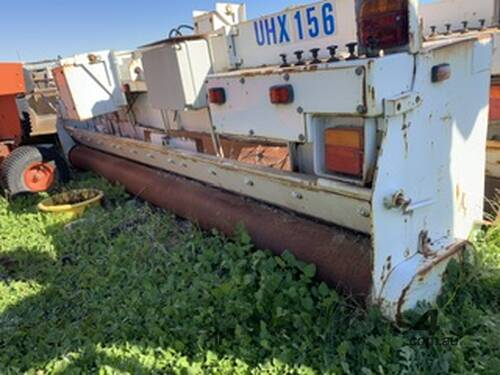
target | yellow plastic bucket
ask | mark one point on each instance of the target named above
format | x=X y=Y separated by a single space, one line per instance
x=73 y=203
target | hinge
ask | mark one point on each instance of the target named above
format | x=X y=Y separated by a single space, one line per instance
x=402 y=104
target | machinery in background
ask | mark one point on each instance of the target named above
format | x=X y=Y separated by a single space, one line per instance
x=378 y=181
x=29 y=160
x=38 y=105
x=107 y=91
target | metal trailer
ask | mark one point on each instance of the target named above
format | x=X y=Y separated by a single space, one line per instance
x=367 y=161
x=29 y=162
x=444 y=17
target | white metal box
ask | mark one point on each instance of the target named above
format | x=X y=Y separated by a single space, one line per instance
x=176 y=70
x=89 y=85
x=225 y=15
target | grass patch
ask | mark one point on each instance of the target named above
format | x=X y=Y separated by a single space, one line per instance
x=131 y=289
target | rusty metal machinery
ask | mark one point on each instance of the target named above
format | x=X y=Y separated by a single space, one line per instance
x=334 y=250
x=378 y=181
x=11 y=85
x=26 y=168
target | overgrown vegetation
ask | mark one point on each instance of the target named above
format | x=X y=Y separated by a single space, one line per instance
x=131 y=289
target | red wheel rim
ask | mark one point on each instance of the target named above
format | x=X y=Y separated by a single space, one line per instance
x=39 y=177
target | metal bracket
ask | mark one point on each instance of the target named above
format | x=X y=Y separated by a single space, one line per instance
x=396 y=200
x=425 y=244
x=402 y=104
x=400 y=201
x=234 y=31
x=235 y=60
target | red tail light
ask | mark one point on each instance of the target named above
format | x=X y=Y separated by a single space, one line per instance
x=217 y=96
x=282 y=94
x=383 y=24
x=344 y=151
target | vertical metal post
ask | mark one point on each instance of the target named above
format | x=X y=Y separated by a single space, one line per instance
x=416 y=35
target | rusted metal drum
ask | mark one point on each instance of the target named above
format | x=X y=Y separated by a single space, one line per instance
x=343 y=258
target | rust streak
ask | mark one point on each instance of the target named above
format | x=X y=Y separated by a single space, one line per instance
x=451 y=251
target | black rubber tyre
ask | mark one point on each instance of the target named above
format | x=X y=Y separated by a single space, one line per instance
x=13 y=168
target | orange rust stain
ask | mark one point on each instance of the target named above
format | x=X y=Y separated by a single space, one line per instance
x=461 y=199
x=273 y=157
x=495 y=102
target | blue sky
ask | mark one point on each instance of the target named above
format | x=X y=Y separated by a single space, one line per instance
x=40 y=29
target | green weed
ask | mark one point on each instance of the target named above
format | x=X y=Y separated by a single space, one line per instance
x=131 y=289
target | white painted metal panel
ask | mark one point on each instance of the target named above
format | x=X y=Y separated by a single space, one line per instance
x=145 y=114
x=433 y=155
x=191 y=120
x=385 y=78
x=343 y=88
x=222 y=52
x=337 y=90
x=176 y=72
x=93 y=83
x=454 y=12
x=261 y=41
x=225 y=14
x=441 y=12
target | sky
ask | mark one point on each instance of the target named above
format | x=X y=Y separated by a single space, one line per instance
x=33 y=30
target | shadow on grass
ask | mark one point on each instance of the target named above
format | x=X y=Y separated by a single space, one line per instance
x=131 y=289
x=135 y=289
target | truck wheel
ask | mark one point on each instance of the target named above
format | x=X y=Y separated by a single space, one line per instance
x=31 y=169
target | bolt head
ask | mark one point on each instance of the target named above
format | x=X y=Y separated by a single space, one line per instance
x=362 y=109
x=364 y=212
